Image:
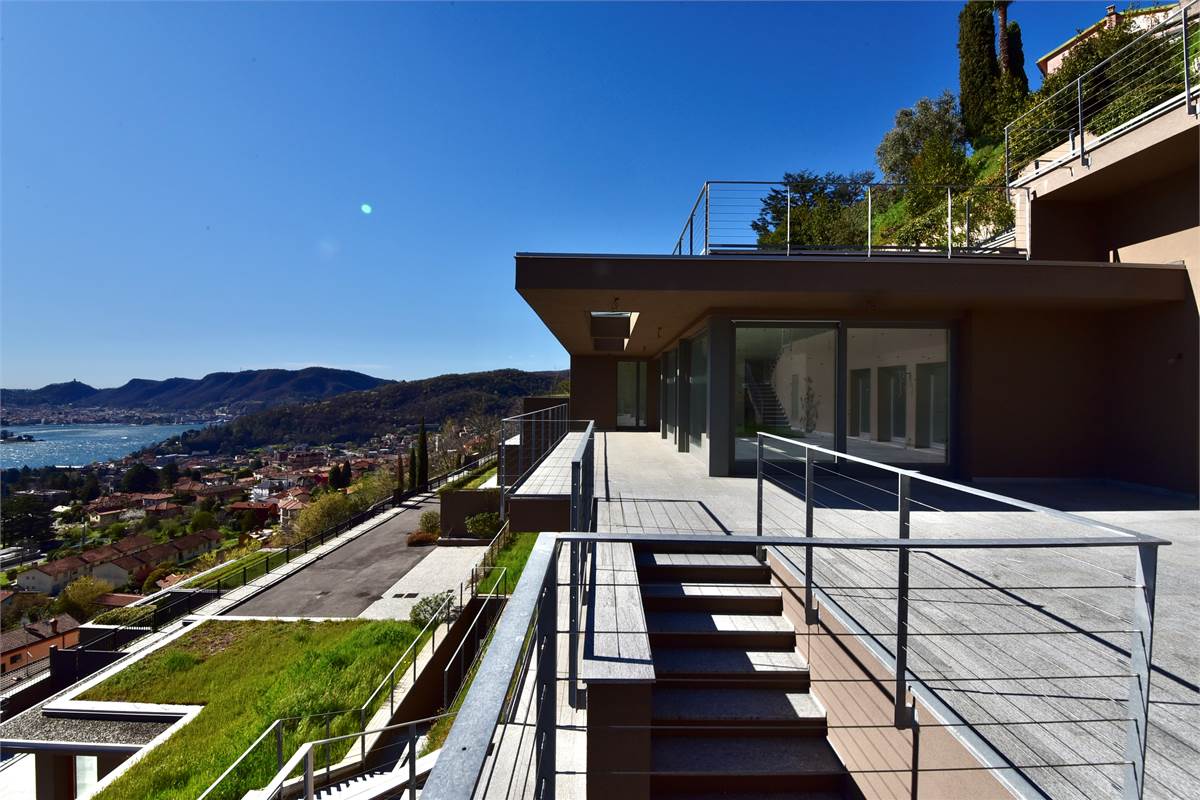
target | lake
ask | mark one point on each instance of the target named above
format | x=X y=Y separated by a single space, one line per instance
x=77 y=445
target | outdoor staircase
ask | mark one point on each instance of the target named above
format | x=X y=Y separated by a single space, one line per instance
x=732 y=714
x=764 y=399
x=365 y=785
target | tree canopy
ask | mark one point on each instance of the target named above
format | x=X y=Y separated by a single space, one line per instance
x=977 y=69
x=825 y=210
x=931 y=119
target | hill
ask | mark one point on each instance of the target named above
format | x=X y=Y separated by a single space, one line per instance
x=262 y=387
x=357 y=416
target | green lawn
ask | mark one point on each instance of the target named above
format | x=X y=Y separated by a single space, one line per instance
x=247 y=674
x=513 y=556
x=481 y=479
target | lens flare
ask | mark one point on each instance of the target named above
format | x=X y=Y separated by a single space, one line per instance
x=366 y=208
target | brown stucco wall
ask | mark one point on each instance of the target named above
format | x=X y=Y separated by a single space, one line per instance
x=594 y=390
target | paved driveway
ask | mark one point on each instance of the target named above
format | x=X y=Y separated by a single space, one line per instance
x=350 y=578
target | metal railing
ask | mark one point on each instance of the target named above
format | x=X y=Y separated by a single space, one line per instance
x=862 y=499
x=513 y=694
x=863 y=218
x=1156 y=72
x=583 y=481
x=233 y=783
x=525 y=440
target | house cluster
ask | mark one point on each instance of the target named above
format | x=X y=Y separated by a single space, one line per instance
x=24 y=644
x=123 y=562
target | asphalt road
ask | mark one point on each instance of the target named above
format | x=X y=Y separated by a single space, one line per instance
x=345 y=582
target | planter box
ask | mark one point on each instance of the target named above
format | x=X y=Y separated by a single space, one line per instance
x=458 y=504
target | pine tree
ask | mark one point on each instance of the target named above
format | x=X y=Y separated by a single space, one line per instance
x=977 y=69
x=422 y=455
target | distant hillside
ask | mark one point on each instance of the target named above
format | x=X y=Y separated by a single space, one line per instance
x=264 y=387
x=357 y=416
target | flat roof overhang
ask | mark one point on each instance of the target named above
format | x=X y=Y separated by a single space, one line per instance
x=670 y=294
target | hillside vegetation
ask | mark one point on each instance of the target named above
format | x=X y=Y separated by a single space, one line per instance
x=358 y=416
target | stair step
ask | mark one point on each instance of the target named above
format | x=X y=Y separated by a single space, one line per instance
x=757 y=711
x=731 y=545
x=662 y=567
x=730 y=668
x=685 y=763
x=703 y=629
x=730 y=598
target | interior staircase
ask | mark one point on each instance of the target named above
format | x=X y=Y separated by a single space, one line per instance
x=732 y=714
x=764 y=399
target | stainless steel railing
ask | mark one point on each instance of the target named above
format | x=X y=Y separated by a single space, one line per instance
x=1156 y=72
x=860 y=218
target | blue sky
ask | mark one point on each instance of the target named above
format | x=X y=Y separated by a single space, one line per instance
x=182 y=184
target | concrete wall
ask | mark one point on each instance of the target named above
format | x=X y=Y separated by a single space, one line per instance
x=458 y=504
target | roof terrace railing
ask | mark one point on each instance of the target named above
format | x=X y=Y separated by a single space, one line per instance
x=854 y=218
x=515 y=691
x=1155 y=73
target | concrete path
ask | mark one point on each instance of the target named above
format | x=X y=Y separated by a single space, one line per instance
x=442 y=568
x=350 y=578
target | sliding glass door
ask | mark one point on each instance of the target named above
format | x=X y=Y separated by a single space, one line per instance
x=631 y=394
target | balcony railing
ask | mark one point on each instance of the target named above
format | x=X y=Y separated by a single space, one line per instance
x=515 y=691
x=1155 y=73
x=871 y=219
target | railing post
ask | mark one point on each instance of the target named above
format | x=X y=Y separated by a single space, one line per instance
x=759 y=478
x=707 y=193
x=810 y=612
x=1187 y=69
x=691 y=235
x=949 y=223
x=573 y=643
x=1083 y=156
x=914 y=768
x=278 y=745
x=1140 y=652
x=362 y=726
x=967 y=222
x=545 y=689
x=903 y=715
x=309 y=787
x=1028 y=224
x=412 y=761
x=870 y=221
x=788 y=214
x=1007 y=176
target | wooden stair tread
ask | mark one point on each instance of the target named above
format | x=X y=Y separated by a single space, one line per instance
x=706 y=622
x=698 y=660
x=749 y=705
x=743 y=756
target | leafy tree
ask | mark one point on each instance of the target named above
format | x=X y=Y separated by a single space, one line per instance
x=90 y=489
x=202 y=521
x=168 y=475
x=977 y=68
x=826 y=211
x=150 y=584
x=25 y=520
x=139 y=478
x=931 y=118
x=248 y=521
x=422 y=456
x=335 y=476
x=79 y=598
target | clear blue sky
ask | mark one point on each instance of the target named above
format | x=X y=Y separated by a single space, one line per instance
x=182 y=183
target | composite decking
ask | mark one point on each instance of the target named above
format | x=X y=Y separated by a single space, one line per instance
x=1035 y=640
x=552 y=476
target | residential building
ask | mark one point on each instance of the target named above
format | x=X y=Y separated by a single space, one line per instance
x=289 y=512
x=122 y=571
x=28 y=643
x=53 y=576
x=134 y=543
x=1138 y=20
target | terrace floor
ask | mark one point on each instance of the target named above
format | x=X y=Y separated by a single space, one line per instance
x=1040 y=623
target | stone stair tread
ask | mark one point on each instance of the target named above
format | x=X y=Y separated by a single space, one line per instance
x=757 y=705
x=697 y=660
x=687 y=589
x=743 y=756
x=703 y=622
x=653 y=559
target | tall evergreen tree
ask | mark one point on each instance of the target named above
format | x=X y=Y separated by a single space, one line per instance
x=977 y=68
x=413 y=484
x=1002 y=27
x=347 y=474
x=422 y=456
x=399 y=475
x=1016 y=58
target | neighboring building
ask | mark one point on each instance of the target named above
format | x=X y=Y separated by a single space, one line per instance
x=220 y=493
x=6 y=598
x=166 y=553
x=164 y=510
x=263 y=510
x=98 y=555
x=289 y=512
x=32 y=642
x=134 y=543
x=194 y=545
x=101 y=518
x=52 y=577
x=122 y=571
x=1138 y=19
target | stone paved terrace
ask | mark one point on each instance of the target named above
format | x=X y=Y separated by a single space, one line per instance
x=643 y=484
x=553 y=475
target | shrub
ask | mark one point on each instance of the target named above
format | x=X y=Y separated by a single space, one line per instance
x=79 y=598
x=129 y=615
x=11 y=575
x=149 y=586
x=431 y=607
x=418 y=538
x=431 y=522
x=483 y=525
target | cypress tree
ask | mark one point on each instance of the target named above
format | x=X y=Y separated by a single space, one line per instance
x=422 y=455
x=977 y=69
x=399 y=475
x=1016 y=59
x=412 y=469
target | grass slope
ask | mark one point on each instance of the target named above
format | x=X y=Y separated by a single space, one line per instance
x=248 y=674
x=512 y=557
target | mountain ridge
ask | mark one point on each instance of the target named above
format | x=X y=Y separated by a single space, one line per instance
x=262 y=387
